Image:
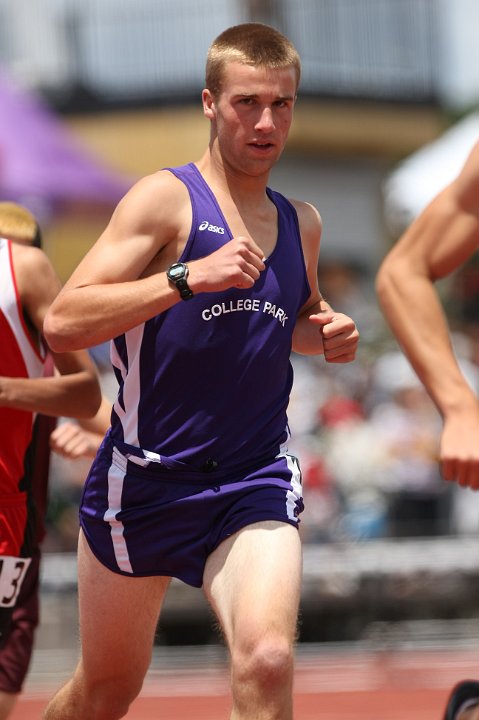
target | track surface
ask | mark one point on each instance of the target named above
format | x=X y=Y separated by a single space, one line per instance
x=337 y=685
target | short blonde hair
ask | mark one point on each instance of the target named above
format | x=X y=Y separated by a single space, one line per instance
x=249 y=44
x=18 y=223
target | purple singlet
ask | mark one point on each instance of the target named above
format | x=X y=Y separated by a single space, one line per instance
x=196 y=448
x=209 y=379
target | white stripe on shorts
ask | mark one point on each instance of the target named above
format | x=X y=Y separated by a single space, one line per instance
x=293 y=495
x=116 y=476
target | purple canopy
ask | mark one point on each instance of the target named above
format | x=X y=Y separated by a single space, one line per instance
x=41 y=162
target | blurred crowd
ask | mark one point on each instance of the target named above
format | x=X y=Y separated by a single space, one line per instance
x=366 y=433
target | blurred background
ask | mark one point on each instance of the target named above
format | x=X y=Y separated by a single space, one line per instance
x=95 y=94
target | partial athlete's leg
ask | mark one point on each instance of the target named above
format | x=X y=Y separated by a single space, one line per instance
x=118 y=619
x=463 y=701
x=253 y=583
x=16 y=649
x=7 y=703
x=472 y=714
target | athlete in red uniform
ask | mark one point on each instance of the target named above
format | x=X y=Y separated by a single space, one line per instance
x=29 y=385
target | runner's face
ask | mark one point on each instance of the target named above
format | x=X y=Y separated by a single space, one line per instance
x=253 y=115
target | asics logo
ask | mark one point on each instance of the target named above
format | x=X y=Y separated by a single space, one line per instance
x=205 y=225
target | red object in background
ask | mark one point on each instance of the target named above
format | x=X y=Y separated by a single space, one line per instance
x=338 y=409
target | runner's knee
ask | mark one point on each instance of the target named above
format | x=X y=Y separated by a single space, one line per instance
x=267 y=662
x=110 y=699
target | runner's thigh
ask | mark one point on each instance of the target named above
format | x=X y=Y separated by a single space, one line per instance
x=118 y=618
x=253 y=580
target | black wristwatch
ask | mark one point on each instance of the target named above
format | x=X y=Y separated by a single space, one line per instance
x=177 y=274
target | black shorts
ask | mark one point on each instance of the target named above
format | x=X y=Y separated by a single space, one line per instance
x=16 y=650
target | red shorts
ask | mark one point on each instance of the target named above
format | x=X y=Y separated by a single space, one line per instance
x=13 y=523
x=17 y=648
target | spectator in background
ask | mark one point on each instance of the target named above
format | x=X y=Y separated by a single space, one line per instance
x=441 y=239
x=32 y=392
x=354 y=459
x=405 y=425
x=348 y=287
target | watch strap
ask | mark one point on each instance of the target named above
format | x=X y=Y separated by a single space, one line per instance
x=178 y=274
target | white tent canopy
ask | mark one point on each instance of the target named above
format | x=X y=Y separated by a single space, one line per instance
x=418 y=178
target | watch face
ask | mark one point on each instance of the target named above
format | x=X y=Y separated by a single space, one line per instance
x=176 y=272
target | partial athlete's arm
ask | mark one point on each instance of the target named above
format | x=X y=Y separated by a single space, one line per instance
x=82 y=438
x=439 y=241
x=319 y=329
x=74 y=389
x=122 y=281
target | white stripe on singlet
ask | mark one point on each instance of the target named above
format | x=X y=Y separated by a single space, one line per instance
x=10 y=307
x=131 y=384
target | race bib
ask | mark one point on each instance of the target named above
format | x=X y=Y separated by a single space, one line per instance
x=12 y=573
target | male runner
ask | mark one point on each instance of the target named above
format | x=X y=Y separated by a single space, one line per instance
x=439 y=241
x=206 y=279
